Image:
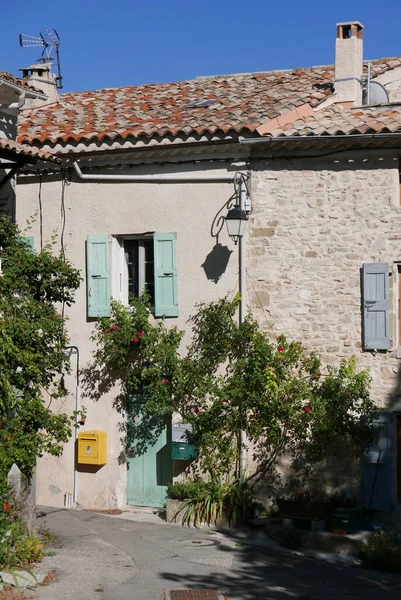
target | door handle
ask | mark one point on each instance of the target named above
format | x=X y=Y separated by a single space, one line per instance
x=168 y=274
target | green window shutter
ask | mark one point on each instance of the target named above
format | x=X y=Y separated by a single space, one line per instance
x=98 y=275
x=166 y=292
x=375 y=297
x=30 y=241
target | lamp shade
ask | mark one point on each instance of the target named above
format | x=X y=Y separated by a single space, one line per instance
x=236 y=220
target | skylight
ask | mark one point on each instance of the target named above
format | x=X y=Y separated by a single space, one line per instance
x=199 y=103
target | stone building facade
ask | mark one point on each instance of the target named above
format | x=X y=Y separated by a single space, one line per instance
x=323 y=163
x=314 y=224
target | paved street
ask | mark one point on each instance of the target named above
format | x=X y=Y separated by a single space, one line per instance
x=110 y=558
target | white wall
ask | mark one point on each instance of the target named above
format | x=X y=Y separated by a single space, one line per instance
x=122 y=208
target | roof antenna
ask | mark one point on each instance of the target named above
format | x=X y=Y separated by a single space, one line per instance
x=50 y=41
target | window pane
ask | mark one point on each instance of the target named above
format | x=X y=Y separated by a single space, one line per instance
x=149 y=269
x=131 y=254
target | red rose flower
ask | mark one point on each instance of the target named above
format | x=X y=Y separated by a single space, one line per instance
x=280 y=349
x=115 y=328
x=135 y=340
x=307 y=408
x=196 y=410
x=106 y=331
x=164 y=381
x=6 y=507
x=140 y=334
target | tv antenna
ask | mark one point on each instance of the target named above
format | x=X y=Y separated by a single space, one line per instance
x=50 y=42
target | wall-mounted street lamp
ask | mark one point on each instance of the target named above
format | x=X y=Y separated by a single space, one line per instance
x=236 y=221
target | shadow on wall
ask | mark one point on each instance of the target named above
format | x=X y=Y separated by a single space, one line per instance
x=139 y=431
x=216 y=262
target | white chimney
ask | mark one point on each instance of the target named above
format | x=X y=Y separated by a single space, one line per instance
x=40 y=77
x=349 y=62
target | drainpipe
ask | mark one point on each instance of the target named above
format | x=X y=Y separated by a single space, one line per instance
x=168 y=177
x=242 y=306
x=75 y=349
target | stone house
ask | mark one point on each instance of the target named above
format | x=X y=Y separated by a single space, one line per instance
x=146 y=174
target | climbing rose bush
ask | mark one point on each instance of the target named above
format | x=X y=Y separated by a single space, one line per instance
x=234 y=377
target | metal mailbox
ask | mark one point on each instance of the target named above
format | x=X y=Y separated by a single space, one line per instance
x=92 y=448
x=182 y=449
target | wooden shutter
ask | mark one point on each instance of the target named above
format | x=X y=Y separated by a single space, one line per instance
x=98 y=275
x=377 y=471
x=30 y=241
x=375 y=297
x=166 y=292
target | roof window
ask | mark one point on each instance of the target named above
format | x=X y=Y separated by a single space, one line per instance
x=199 y=103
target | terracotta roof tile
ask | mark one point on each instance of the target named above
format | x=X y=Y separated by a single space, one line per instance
x=335 y=120
x=25 y=151
x=244 y=102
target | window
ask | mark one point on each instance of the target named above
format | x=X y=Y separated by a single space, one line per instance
x=138 y=262
x=133 y=270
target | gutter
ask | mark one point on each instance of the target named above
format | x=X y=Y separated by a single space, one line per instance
x=27 y=92
x=308 y=138
x=168 y=177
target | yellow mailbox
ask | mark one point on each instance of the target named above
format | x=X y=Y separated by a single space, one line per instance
x=92 y=448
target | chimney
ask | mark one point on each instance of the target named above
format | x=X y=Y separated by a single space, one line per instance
x=349 y=62
x=40 y=77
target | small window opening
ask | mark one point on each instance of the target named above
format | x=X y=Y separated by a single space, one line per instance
x=346 y=31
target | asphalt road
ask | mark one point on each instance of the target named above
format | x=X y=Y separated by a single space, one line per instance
x=109 y=558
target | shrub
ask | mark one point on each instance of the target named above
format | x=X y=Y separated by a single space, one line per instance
x=382 y=552
x=205 y=501
x=233 y=378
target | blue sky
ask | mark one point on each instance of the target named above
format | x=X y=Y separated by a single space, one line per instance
x=125 y=42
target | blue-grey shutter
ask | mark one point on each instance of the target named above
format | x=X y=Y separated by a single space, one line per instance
x=377 y=471
x=98 y=275
x=375 y=298
x=166 y=292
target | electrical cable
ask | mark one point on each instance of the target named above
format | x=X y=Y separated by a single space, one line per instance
x=62 y=211
x=40 y=212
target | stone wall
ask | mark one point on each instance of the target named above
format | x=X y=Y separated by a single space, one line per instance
x=314 y=224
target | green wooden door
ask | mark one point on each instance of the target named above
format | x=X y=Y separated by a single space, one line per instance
x=149 y=463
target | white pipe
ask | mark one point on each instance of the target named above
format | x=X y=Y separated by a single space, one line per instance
x=77 y=407
x=167 y=177
x=242 y=307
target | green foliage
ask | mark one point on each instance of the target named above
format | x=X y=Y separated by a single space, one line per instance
x=233 y=377
x=32 y=338
x=204 y=501
x=17 y=546
x=382 y=552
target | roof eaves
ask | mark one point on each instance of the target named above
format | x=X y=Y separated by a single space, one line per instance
x=28 y=91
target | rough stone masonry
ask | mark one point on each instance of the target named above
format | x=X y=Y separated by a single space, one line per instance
x=314 y=223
